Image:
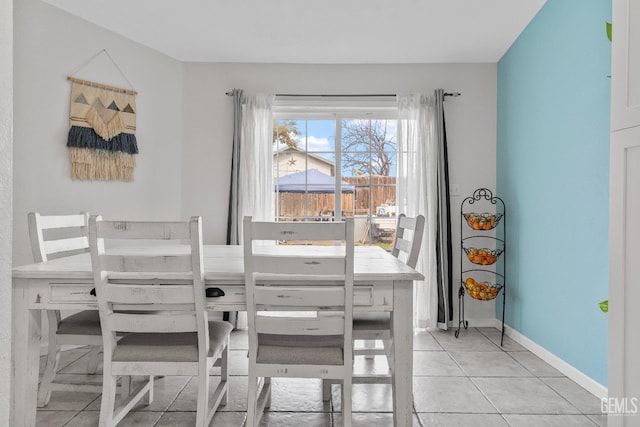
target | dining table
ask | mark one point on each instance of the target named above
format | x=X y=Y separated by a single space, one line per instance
x=382 y=283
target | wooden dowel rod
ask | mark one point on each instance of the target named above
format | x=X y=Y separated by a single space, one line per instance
x=102 y=86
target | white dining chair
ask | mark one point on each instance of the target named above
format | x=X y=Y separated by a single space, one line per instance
x=156 y=298
x=278 y=278
x=52 y=237
x=369 y=327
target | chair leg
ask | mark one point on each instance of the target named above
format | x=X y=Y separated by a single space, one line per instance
x=267 y=383
x=346 y=402
x=224 y=373
x=148 y=397
x=369 y=345
x=388 y=348
x=126 y=386
x=108 y=403
x=326 y=390
x=203 y=396
x=252 y=402
x=53 y=359
x=94 y=360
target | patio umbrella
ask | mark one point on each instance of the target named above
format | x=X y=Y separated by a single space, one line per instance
x=311 y=181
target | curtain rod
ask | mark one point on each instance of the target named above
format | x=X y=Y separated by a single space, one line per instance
x=454 y=94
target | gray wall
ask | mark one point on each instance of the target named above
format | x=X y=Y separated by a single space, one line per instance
x=49 y=46
x=6 y=178
x=207 y=124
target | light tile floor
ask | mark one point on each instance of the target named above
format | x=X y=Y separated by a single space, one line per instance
x=469 y=381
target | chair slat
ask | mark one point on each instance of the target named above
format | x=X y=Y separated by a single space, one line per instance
x=145 y=263
x=299 y=296
x=143 y=307
x=408 y=223
x=62 y=221
x=143 y=230
x=298 y=231
x=154 y=323
x=403 y=245
x=316 y=326
x=150 y=294
x=298 y=265
x=65 y=245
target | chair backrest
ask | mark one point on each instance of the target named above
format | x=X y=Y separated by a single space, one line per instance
x=285 y=278
x=156 y=290
x=68 y=235
x=408 y=239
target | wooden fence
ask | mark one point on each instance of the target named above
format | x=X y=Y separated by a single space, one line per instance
x=370 y=193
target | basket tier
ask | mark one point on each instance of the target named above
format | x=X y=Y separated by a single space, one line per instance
x=483 y=256
x=483 y=221
x=484 y=291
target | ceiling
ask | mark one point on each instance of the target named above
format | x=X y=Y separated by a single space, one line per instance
x=319 y=32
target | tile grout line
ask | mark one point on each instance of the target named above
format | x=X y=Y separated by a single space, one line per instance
x=539 y=378
x=413 y=404
x=176 y=398
x=471 y=380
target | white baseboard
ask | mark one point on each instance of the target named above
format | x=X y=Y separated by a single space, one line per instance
x=480 y=323
x=473 y=323
x=571 y=372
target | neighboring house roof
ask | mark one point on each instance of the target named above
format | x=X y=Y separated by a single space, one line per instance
x=285 y=150
x=310 y=181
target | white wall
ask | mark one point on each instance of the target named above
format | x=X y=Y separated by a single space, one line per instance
x=6 y=114
x=49 y=46
x=208 y=117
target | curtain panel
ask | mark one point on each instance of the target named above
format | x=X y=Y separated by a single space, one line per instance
x=233 y=228
x=422 y=188
x=251 y=191
x=416 y=193
x=255 y=190
x=443 y=243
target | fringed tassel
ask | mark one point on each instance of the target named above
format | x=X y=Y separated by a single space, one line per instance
x=105 y=130
x=83 y=137
x=101 y=165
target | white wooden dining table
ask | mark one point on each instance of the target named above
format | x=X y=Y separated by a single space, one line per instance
x=381 y=283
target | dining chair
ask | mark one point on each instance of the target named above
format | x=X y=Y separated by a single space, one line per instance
x=155 y=297
x=52 y=237
x=281 y=281
x=369 y=327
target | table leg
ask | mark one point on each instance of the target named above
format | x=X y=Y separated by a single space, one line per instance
x=402 y=328
x=26 y=356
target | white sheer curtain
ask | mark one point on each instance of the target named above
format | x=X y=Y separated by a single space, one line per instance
x=256 y=171
x=417 y=193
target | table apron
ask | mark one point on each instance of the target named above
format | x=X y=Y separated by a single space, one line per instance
x=60 y=294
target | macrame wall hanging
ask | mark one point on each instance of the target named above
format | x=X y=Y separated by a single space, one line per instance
x=102 y=141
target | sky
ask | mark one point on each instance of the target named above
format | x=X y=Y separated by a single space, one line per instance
x=318 y=137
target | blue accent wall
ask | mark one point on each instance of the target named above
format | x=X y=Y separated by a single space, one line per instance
x=553 y=174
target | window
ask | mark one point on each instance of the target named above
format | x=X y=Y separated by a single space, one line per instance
x=330 y=165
